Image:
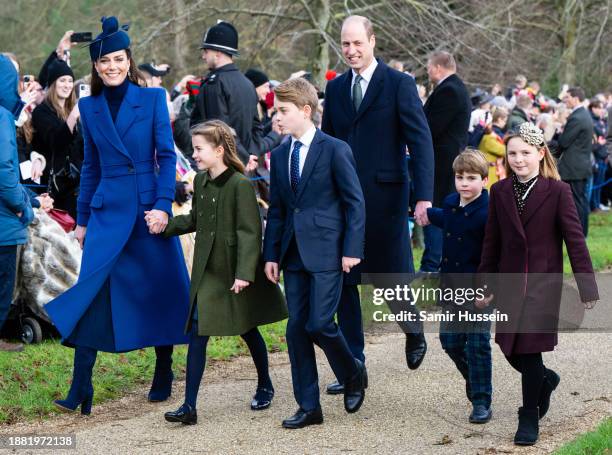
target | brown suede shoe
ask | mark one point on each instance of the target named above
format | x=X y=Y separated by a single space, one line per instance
x=10 y=347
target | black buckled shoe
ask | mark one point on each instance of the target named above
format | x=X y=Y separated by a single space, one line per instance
x=480 y=414
x=185 y=415
x=262 y=399
x=551 y=381
x=303 y=419
x=354 y=389
x=416 y=347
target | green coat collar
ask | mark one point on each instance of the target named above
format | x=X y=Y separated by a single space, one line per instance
x=220 y=180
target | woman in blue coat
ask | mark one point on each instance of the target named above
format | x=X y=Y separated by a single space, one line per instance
x=133 y=288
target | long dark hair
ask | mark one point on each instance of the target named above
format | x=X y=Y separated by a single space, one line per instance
x=134 y=75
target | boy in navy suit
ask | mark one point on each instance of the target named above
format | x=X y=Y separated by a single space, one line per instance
x=463 y=219
x=315 y=232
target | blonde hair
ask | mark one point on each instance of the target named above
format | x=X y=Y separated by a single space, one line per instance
x=219 y=134
x=299 y=92
x=548 y=166
x=54 y=102
x=472 y=161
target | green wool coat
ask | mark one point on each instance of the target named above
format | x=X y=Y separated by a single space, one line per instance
x=225 y=217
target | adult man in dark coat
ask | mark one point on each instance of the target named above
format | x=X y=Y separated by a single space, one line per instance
x=226 y=94
x=377 y=110
x=575 y=145
x=448 y=111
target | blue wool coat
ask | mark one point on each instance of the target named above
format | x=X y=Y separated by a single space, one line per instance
x=133 y=288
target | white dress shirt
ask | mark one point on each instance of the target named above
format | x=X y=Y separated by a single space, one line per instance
x=366 y=77
x=306 y=140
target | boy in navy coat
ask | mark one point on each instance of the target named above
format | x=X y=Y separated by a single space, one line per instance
x=315 y=232
x=463 y=219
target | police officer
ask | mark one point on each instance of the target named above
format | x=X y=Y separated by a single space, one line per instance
x=227 y=95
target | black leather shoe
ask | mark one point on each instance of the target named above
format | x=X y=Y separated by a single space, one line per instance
x=354 y=389
x=185 y=415
x=480 y=414
x=335 y=388
x=303 y=419
x=551 y=381
x=262 y=399
x=416 y=347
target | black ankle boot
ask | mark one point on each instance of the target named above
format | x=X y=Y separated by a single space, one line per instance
x=551 y=381
x=528 y=427
x=161 y=387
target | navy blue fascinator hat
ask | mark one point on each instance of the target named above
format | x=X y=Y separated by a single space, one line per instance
x=112 y=39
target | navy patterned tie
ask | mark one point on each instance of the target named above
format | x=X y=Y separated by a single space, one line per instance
x=295 y=165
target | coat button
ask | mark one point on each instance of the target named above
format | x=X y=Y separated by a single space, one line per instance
x=199 y=213
x=454 y=210
x=213 y=199
x=448 y=234
x=465 y=214
x=457 y=264
x=202 y=196
x=459 y=239
x=212 y=234
x=297 y=210
x=445 y=259
x=212 y=217
x=131 y=169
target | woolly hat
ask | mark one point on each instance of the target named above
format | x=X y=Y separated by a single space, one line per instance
x=257 y=77
x=57 y=69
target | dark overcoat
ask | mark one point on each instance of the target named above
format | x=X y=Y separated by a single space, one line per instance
x=525 y=253
x=448 y=111
x=390 y=119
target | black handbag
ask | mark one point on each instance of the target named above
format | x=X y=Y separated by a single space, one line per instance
x=65 y=181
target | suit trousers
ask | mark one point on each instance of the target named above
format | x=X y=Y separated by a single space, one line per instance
x=312 y=301
x=579 y=192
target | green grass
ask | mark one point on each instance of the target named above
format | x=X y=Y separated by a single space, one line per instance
x=596 y=442
x=31 y=380
x=598 y=241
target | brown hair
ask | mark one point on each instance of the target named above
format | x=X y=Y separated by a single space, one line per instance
x=367 y=24
x=53 y=101
x=577 y=92
x=472 y=161
x=548 y=166
x=497 y=113
x=219 y=134
x=299 y=92
x=443 y=59
x=134 y=75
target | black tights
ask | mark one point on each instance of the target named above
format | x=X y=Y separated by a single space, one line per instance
x=196 y=361
x=532 y=372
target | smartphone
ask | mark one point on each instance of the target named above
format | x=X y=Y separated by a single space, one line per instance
x=84 y=90
x=81 y=37
x=28 y=78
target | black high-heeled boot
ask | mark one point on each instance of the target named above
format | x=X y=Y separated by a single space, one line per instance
x=81 y=390
x=161 y=387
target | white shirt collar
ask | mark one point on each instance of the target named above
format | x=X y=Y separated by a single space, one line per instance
x=577 y=107
x=306 y=138
x=368 y=72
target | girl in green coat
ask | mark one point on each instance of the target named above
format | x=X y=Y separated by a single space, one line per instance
x=229 y=293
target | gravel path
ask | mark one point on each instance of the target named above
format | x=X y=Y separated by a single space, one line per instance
x=421 y=412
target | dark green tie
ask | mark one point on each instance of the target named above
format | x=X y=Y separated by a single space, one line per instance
x=357 y=93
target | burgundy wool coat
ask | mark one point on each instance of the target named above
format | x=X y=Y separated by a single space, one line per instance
x=525 y=255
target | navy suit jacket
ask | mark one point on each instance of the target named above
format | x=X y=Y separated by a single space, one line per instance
x=390 y=118
x=326 y=214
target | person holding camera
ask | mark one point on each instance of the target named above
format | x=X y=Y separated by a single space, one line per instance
x=57 y=136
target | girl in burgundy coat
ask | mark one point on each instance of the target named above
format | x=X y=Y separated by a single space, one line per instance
x=530 y=214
